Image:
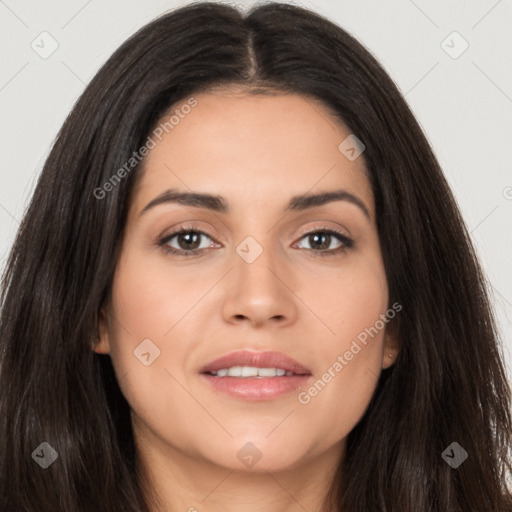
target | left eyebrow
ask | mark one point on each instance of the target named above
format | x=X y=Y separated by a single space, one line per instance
x=219 y=204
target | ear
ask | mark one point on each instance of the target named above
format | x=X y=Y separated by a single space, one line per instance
x=391 y=347
x=102 y=344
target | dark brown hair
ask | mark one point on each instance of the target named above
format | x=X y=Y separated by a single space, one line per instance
x=448 y=383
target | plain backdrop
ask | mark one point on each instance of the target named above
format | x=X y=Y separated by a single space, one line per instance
x=452 y=61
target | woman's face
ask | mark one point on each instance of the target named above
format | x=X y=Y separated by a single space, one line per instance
x=261 y=278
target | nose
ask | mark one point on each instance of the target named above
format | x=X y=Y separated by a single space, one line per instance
x=260 y=292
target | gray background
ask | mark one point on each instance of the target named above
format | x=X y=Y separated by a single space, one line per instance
x=462 y=100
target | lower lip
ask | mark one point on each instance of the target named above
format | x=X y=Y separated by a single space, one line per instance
x=257 y=389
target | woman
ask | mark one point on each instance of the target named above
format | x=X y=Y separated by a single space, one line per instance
x=171 y=339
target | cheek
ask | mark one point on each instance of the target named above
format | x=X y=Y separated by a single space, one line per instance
x=148 y=347
x=338 y=399
x=350 y=303
x=150 y=299
x=148 y=307
x=348 y=299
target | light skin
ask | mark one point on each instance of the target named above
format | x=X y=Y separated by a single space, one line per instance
x=257 y=152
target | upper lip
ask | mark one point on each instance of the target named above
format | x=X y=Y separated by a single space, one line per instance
x=256 y=359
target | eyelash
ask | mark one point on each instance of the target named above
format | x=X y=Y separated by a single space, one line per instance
x=346 y=241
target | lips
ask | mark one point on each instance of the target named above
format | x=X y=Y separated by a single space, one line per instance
x=283 y=375
x=258 y=360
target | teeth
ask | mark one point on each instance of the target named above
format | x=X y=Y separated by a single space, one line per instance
x=251 y=371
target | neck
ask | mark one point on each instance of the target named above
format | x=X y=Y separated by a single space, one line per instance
x=176 y=481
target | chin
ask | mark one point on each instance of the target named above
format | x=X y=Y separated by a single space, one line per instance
x=257 y=454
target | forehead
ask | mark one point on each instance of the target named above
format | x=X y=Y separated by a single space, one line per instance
x=251 y=149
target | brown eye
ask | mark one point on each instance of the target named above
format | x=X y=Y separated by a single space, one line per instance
x=188 y=241
x=185 y=242
x=319 y=242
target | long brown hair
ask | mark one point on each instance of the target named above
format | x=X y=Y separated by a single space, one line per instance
x=448 y=384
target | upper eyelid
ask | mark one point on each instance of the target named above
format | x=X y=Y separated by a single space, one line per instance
x=185 y=229
x=314 y=229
